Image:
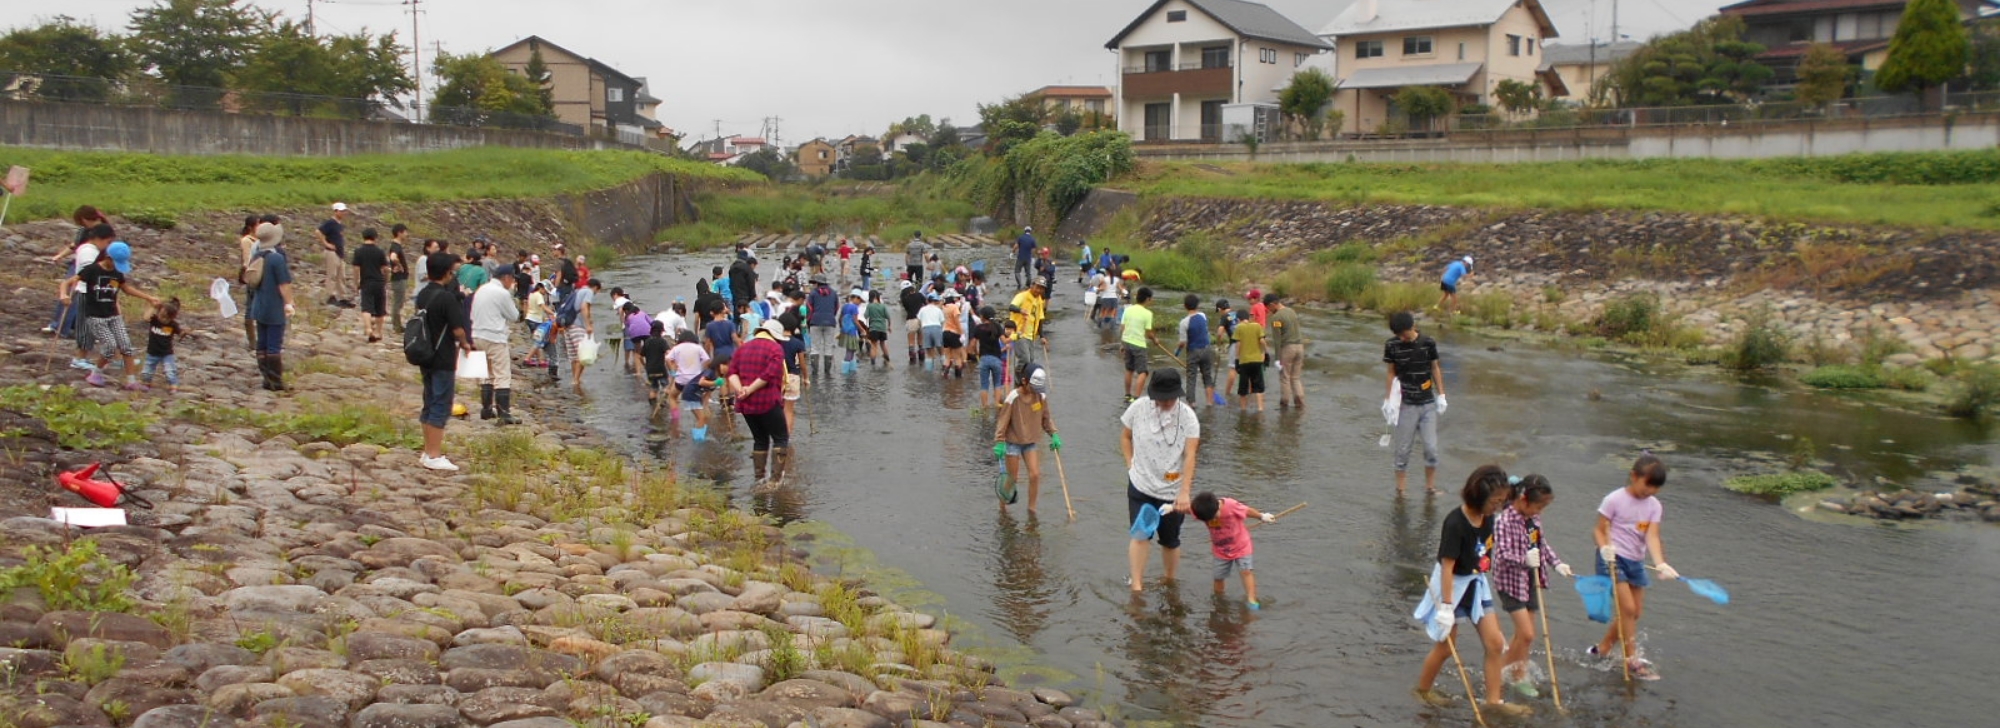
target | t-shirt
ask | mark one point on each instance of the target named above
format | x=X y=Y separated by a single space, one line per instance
x=1138 y=321
x=1413 y=367
x=1194 y=331
x=929 y=316
x=1631 y=519
x=721 y=335
x=399 y=268
x=673 y=321
x=371 y=259
x=1250 y=342
x=1285 y=329
x=1024 y=246
x=850 y=314
x=987 y=336
x=160 y=337
x=688 y=359
x=537 y=301
x=268 y=306
x=878 y=316
x=654 y=352
x=1028 y=322
x=751 y=320
x=443 y=310
x=793 y=348
x=86 y=254
x=1159 y=445
x=472 y=276
x=1227 y=534
x=954 y=318
x=913 y=256
x=493 y=313
x=100 y=291
x=1455 y=271
x=1470 y=545
x=638 y=325
x=336 y=235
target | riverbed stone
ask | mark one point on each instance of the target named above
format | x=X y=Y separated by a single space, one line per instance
x=417 y=694
x=400 y=672
x=351 y=688
x=184 y=716
x=390 y=715
x=237 y=699
x=382 y=646
x=64 y=626
x=837 y=717
x=306 y=711
x=508 y=635
x=286 y=660
x=137 y=697
x=284 y=598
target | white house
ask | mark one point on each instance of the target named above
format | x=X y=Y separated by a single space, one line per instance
x=1181 y=61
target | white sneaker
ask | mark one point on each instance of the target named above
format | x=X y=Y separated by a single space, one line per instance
x=436 y=463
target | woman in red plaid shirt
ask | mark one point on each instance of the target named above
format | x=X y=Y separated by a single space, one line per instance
x=1520 y=553
x=757 y=377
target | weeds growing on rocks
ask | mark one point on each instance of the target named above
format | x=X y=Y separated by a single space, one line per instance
x=94 y=664
x=78 y=422
x=77 y=577
x=1781 y=484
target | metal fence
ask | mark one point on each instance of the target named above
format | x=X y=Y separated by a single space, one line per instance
x=155 y=93
x=1868 y=107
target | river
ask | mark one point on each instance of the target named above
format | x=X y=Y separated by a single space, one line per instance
x=1832 y=623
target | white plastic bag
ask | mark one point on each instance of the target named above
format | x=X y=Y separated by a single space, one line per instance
x=473 y=366
x=218 y=289
x=1392 y=406
x=589 y=351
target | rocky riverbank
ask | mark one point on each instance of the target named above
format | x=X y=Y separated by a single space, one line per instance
x=301 y=570
x=1975 y=501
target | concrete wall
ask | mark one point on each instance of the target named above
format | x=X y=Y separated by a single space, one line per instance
x=163 y=131
x=1742 y=141
x=628 y=215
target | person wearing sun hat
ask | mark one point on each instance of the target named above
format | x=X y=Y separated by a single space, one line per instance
x=1454 y=276
x=1159 y=440
x=757 y=378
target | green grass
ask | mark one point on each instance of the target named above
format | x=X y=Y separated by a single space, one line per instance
x=342 y=425
x=1844 y=376
x=891 y=212
x=1781 y=484
x=158 y=186
x=78 y=423
x=1931 y=189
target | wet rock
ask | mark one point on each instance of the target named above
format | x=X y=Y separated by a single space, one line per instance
x=1054 y=698
x=184 y=716
x=388 y=715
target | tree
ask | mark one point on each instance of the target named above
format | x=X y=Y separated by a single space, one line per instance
x=195 y=43
x=1709 y=63
x=347 y=75
x=475 y=90
x=1304 y=98
x=770 y=163
x=538 y=73
x=1068 y=122
x=946 y=136
x=1011 y=122
x=1823 y=75
x=64 y=47
x=1517 y=96
x=1423 y=103
x=1931 y=46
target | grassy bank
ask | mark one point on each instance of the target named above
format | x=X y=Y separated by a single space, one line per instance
x=891 y=211
x=1931 y=189
x=137 y=185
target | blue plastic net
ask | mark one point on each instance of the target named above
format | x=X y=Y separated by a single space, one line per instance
x=1596 y=593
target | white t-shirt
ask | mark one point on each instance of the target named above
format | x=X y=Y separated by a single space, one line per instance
x=673 y=321
x=930 y=315
x=688 y=360
x=86 y=254
x=1159 y=445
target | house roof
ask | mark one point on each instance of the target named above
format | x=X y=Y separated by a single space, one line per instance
x=1247 y=19
x=1396 y=15
x=600 y=67
x=1071 y=92
x=1557 y=54
x=1449 y=74
x=1781 y=7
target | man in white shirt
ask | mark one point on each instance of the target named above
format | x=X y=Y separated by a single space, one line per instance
x=1160 y=437
x=494 y=312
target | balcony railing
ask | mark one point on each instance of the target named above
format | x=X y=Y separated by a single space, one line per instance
x=1197 y=66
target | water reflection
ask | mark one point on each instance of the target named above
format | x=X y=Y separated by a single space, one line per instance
x=1022 y=593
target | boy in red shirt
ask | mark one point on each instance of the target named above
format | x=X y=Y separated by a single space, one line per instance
x=1230 y=538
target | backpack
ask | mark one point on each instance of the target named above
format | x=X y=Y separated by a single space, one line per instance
x=566 y=313
x=419 y=346
x=252 y=274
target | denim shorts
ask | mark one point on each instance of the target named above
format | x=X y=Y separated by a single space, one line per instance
x=933 y=337
x=1222 y=568
x=990 y=372
x=1014 y=450
x=439 y=386
x=1629 y=571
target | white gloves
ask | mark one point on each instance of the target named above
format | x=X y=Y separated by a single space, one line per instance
x=1609 y=554
x=1391 y=411
x=1564 y=570
x=1667 y=572
x=1166 y=508
x=1269 y=517
x=1534 y=558
x=1442 y=404
x=1445 y=620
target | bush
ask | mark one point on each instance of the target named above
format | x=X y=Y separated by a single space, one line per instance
x=1909 y=379
x=1491 y=309
x=1975 y=391
x=1627 y=316
x=1760 y=345
x=154 y=218
x=1844 y=376
x=1347 y=253
x=1173 y=270
x=73 y=578
x=1349 y=281
x=1395 y=297
x=1781 y=484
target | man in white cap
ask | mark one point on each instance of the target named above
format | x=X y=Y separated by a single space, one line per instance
x=1454 y=275
x=333 y=241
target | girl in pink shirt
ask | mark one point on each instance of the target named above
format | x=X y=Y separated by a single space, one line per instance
x=1628 y=531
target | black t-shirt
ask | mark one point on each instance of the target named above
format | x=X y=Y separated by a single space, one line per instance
x=443 y=311
x=707 y=304
x=1413 y=366
x=524 y=283
x=987 y=335
x=160 y=338
x=792 y=321
x=654 y=351
x=336 y=235
x=399 y=265
x=101 y=286
x=567 y=276
x=370 y=258
x=912 y=302
x=1467 y=543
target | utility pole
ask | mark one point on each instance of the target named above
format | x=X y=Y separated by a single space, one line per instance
x=309 y=17
x=416 y=61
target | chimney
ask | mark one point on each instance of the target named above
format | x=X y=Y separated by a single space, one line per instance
x=1369 y=10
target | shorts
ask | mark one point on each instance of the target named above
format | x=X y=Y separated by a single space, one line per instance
x=573 y=341
x=1447 y=288
x=933 y=337
x=1464 y=609
x=1249 y=378
x=991 y=372
x=374 y=299
x=911 y=326
x=792 y=387
x=874 y=335
x=1629 y=571
x=952 y=340
x=693 y=405
x=439 y=386
x=634 y=344
x=1169 y=534
x=109 y=337
x=1014 y=450
x=1136 y=359
x=1511 y=605
x=1222 y=568
x=659 y=382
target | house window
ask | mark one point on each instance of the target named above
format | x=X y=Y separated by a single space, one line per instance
x=1177 y=16
x=1159 y=120
x=1298 y=59
x=1417 y=45
x=1368 y=49
x=1513 y=45
x=1461 y=51
x=1215 y=57
x=1531 y=46
x=1267 y=55
x=822 y=154
x=1095 y=106
x=614 y=94
x=1157 y=61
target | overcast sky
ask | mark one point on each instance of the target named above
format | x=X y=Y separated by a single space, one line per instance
x=824 y=67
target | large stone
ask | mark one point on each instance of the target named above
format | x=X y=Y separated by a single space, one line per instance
x=237 y=699
x=389 y=715
x=312 y=711
x=184 y=716
x=509 y=635
x=401 y=551
x=750 y=676
x=502 y=704
x=50 y=710
x=762 y=714
x=418 y=695
x=897 y=706
x=382 y=646
x=116 y=626
x=759 y=598
x=350 y=688
x=549 y=722
x=705 y=602
x=290 y=598
x=832 y=717
x=673 y=702
x=136 y=696
x=292 y=659
x=201 y=656
x=473 y=679
x=216 y=677
x=809 y=694
x=91 y=648
x=508 y=657
x=401 y=672
x=856 y=684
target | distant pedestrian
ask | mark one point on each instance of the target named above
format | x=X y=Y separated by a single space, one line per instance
x=332 y=236
x=1454 y=276
x=1288 y=343
x=1160 y=438
x=371 y=272
x=271 y=305
x=1024 y=254
x=494 y=311
x=443 y=311
x=1413 y=364
x=913 y=257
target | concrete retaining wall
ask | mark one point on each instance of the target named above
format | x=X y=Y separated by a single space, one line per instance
x=164 y=131
x=1742 y=141
x=627 y=216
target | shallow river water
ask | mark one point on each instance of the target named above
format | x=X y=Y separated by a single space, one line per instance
x=1832 y=623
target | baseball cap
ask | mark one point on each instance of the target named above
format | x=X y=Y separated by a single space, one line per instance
x=775 y=329
x=121 y=254
x=906 y=284
x=340 y=207
x=1468 y=260
x=534 y=259
x=1038 y=378
x=1254 y=294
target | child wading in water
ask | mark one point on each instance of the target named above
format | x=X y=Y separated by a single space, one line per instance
x=1628 y=530
x=162 y=328
x=1459 y=588
x=1521 y=553
x=1024 y=418
x=1230 y=539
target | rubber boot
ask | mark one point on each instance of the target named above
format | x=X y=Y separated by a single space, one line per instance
x=277 y=372
x=758 y=465
x=503 y=400
x=264 y=371
x=781 y=458
x=485 y=401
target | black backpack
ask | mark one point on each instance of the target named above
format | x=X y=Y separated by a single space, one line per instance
x=419 y=345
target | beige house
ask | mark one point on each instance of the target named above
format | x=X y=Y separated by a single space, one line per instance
x=1580 y=68
x=1080 y=99
x=588 y=93
x=816 y=158
x=1181 y=61
x=1466 y=47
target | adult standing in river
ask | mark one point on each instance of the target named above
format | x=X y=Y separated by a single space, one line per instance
x=757 y=377
x=1160 y=437
x=494 y=312
x=1024 y=255
x=1288 y=343
x=1413 y=362
x=913 y=257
